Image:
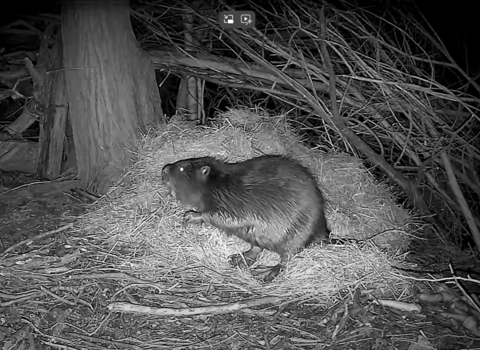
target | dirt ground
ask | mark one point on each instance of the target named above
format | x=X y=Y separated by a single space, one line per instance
x=55 y=319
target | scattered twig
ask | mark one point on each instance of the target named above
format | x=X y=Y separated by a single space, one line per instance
x=443 y=279
x=115 y=275
x=16 y=301
x=101 y=324
x=105 y=341
x=53 y=295
x=59 y=346
x=31 y=239
x=464 y=292
x=12 y=341
x=343 y=321
x=207 y=310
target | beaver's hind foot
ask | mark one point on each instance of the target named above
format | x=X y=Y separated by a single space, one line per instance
x=268 y=273
x=245 y=259
x=239 y=260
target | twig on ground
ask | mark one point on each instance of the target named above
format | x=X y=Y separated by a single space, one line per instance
x=464 y=292
x=31 y=239
x=114 y=275
x=206 y=310
x=105 y=341
x=443 y=279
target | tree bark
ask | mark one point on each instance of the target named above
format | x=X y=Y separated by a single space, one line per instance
x=54 y=119
x=111 y=88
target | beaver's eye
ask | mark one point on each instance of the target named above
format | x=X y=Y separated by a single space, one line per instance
x=183 y=171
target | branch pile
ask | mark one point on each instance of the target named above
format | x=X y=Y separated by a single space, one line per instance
x=372 y=89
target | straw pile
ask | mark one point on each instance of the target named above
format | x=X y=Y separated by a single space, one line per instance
x=138 y=219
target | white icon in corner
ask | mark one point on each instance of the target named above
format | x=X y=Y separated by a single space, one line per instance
x=228 y=19
x=246 y=19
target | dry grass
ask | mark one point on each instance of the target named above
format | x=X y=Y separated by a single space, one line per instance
x=138 y=216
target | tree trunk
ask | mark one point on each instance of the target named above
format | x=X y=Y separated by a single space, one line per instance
x=52 y=123
x=111 y=88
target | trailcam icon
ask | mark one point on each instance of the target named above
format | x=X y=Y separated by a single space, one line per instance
x=246 y=19
x=228 y=19
x=237 y=19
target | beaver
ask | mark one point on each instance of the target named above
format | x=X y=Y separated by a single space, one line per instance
x=272 y=202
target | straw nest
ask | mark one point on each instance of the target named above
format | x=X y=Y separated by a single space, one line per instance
x=140 y=219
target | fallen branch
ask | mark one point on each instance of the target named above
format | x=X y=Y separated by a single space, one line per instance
x=399 y=305
x=206 y=310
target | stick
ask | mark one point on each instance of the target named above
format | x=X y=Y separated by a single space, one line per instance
x=113 y=275
x=443 y=279
x=104 y=341
x=30 y=240
x=212 y=310
x=464 y=292
x=452 y=181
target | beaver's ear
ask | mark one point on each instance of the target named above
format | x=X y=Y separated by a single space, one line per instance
x=205 y=170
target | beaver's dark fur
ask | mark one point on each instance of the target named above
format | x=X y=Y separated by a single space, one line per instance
x=272 y=202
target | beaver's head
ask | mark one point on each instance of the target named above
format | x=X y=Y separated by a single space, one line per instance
x=188 y=181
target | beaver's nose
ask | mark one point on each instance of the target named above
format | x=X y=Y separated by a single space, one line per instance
x=165 y=172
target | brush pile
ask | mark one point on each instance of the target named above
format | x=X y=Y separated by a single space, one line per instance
x=370 y=82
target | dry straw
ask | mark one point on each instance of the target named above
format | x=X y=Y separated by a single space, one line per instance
x=139 y=218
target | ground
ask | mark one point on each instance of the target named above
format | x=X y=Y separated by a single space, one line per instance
x=40 y=311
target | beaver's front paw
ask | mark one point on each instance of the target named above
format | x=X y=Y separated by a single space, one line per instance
x=192 y=217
